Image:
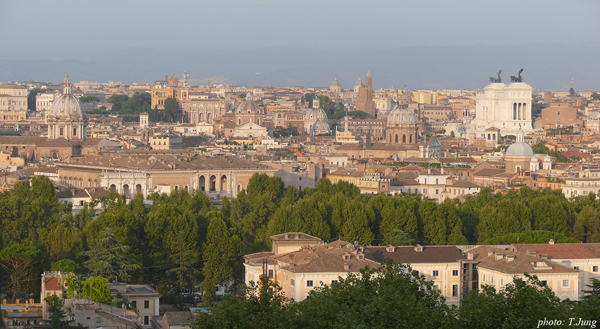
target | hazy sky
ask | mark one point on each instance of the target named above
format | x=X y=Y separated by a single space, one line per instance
x=83 y=29
x=97 y=30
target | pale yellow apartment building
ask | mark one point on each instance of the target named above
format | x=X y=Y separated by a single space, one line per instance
x=299 y=262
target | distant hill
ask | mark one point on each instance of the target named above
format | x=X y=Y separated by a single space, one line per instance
x=549 y=67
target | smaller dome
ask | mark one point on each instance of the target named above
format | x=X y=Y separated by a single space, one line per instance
x=358 y=82
x=520 y=150
x=401 y=116
x=534 y=158
x=335 y=83
x=315 y=115
x=321 y=125
x=547 y=158
x=248 y=106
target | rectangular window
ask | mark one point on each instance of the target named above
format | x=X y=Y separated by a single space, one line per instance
x=545 y=283
x=98 y=320
x=146 y=320
x=454 y=272
x=436 y=273
x=565 y=283
x=309 y=283
x=594 y=268
x=492 y=280
x=454 y=290
x=271 y=274
x=134 y=303
x=483 y=278
x=146 y=304
x=293 y=282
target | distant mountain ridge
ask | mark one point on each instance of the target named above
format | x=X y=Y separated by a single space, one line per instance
x=549 y=67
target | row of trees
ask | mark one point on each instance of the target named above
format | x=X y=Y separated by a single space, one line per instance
x=185 y=240
x=394 y=296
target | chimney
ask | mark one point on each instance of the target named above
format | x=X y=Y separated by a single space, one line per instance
x=499 y=256
x=491 y=253
x=551 y=242
x=418 y=248
x=510 y=258
x=346 y=267
x=470 y=256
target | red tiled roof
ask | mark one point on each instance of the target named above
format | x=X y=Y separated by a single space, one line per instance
x=567 y=250
x=52 y=284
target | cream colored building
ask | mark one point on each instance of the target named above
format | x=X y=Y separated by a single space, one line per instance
x=506 y=107
x=250 y=130
x=143 y=297
x=584 y=257
x=43 y=101
x=13 y=97
x=6 y=161
x=132 y=173
x=498 y=267
x=299 y=262
x=166 y=142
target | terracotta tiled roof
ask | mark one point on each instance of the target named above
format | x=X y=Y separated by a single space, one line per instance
x=566 y=250
x=511 y=261
x=294 y=236
x=408 y=254
x=181 y=161
x=464 y=183
x=337 y=256
x=52 y=283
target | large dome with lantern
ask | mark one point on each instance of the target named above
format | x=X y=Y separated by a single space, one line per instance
x=401 y=116
x=67 y=105
x=249 y=106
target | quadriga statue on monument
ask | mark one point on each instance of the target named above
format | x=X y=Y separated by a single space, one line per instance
x=518 y=78
x=496 y=80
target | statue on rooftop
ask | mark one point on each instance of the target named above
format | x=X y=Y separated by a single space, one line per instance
x=518 y=78
x=496 y=80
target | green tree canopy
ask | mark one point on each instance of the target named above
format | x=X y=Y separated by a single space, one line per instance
x=520 y=304
x=530 y=237
x=57 y=315
x=220 y=252
x=16 y=259
x=109 y=257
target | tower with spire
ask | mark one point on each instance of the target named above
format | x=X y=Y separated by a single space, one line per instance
x=365 y=101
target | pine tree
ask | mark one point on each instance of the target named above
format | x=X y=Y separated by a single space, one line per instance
x=57 y=314
x=109 y=257
x=220 y=252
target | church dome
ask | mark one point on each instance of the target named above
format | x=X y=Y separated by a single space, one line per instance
x=67 y=105
x=315 y=115
x=401 y=116
x=321 y=125
x=520 y=148
x=358 y=82
x=336 y=83
x=248 y=106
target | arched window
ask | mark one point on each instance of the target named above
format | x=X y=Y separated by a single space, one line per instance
x=410 y=139
x=403 y=138
x=396 y=139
